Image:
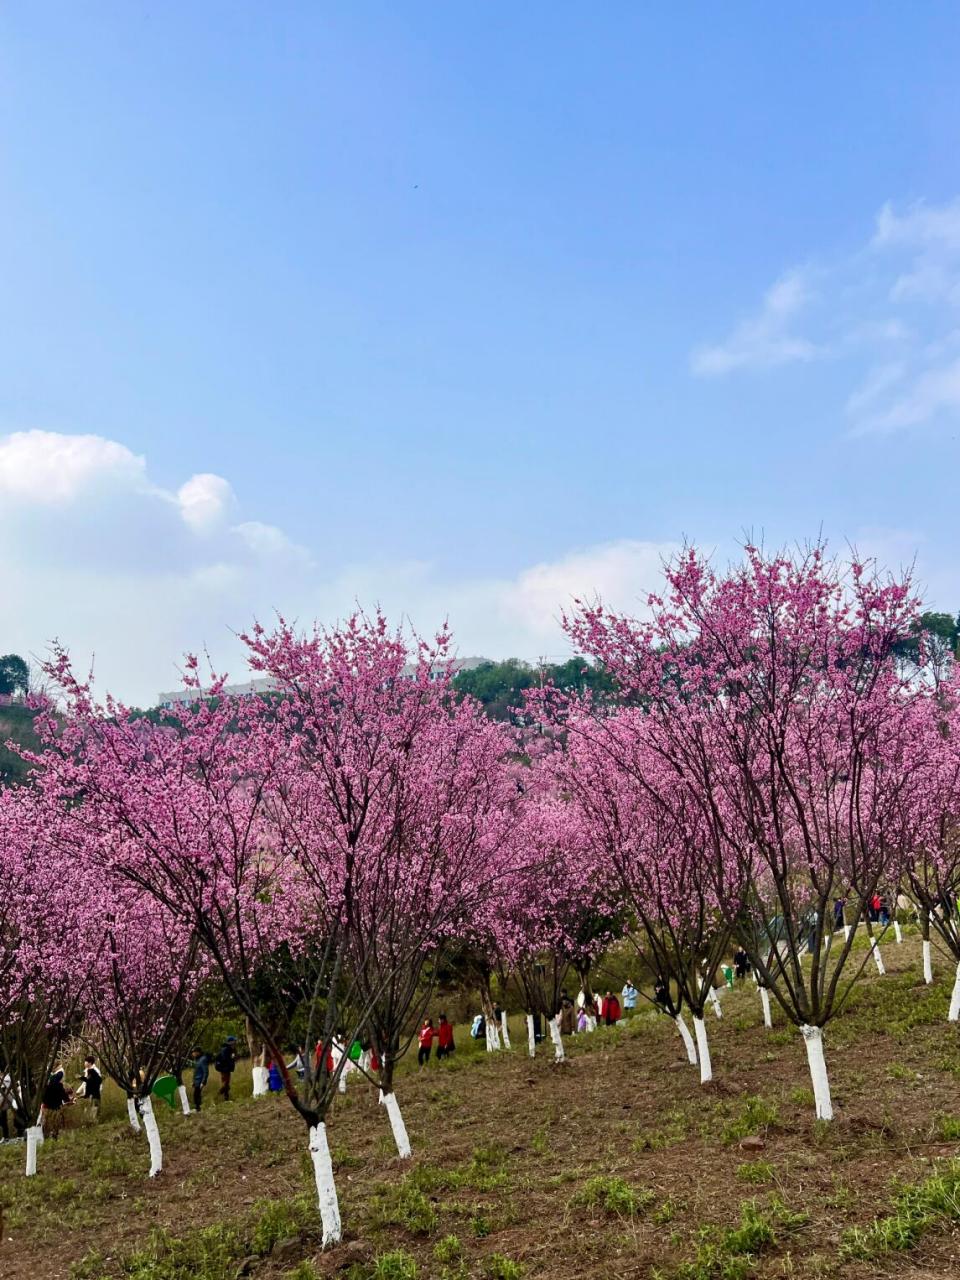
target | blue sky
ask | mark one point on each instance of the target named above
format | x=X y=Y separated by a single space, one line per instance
x=464 y=309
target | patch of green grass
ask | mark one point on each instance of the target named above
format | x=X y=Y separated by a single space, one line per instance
x=279 y=1220
x=802 y=1096
x=303 y=1271
x=404 y=1205
x=948 y=1128
x=497 y=1267
x=89 y=1267
x=922 y=1207
x=756 y=1114
x=665 y=1211
x=673 y=1131
x=613 y=1195
x=449 y=1249
x=395 y=1265
x=480 y=1225
x=755 y=1171
x=732 y=1254
x=209 y=1254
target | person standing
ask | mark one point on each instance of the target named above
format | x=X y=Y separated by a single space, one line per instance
x=427 y=1035
x=226 y=1064
x=445 y=1045
x=7 y=1106
x=629 y=994
x=92 y=1082
x=610 y=1010
x=201 y=1074
x=741 y=963
x=55 y=1098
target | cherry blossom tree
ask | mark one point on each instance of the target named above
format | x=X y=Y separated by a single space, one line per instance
x=141 y=1003
x=648 y=836
x=774 y=695
x=50 y=936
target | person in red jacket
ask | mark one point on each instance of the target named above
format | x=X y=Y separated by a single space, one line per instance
x=610 y=1010
x=428 y=1033
x=445 y=1045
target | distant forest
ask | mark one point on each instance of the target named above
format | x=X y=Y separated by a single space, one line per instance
x=497 y=686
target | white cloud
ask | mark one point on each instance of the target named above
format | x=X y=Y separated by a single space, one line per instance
x=133 y=575
x=888 y=312
x=931 y=394
x=764 y=341
x=205 y=502
x=50 y=469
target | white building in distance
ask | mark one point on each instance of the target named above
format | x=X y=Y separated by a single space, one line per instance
x=266 y=684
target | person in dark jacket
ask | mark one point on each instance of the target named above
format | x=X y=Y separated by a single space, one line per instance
x=226 y=1064
x=201 y=1074
x=55 y=1098
x=92 y=1082
x=741 y=962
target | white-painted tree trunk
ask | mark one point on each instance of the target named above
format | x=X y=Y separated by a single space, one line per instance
x=703 y=1050
x=397 y=1125
x=531 y=1038
x=687 y=1039
x=753 y=975
x=505 y=1030
x=954 y=1013
x=326 y=1188
x=184 y=1100
x=591 y=1022
x=342 y=1082
x=153 y=1136
x=813 y=1039
x=132 y=1114
x=927 y=962
x=34 y=1139
x=846 y=933
x=261 y=1082
x=897 y=932
x=765 y=1001
x=878 y=958
x=557 y=1039
x=492 y=1034
x=715 y=1001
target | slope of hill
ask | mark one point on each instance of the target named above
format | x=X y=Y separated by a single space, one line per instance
x=618 y=1164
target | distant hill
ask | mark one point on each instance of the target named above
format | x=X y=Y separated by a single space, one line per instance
x=16 y=722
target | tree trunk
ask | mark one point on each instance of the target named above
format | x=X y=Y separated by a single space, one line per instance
x=813 y=1039
x=153 y=1136
x=954 y=1013
x=326 y=1187
x=765 y=1001
x=687 y=1039
x=258 y=1061
x=531 y=1038
x=184 y=1100
x=504 y=1029
x=703 y=1049
x=132 y=1115
x=396 y=1124
x=34 y=1137
x=555 y=1036
x=925 y=934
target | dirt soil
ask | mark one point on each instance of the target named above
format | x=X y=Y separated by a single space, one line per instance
x=506 y=1148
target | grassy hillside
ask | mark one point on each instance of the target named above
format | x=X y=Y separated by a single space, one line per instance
x=616 y=1165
